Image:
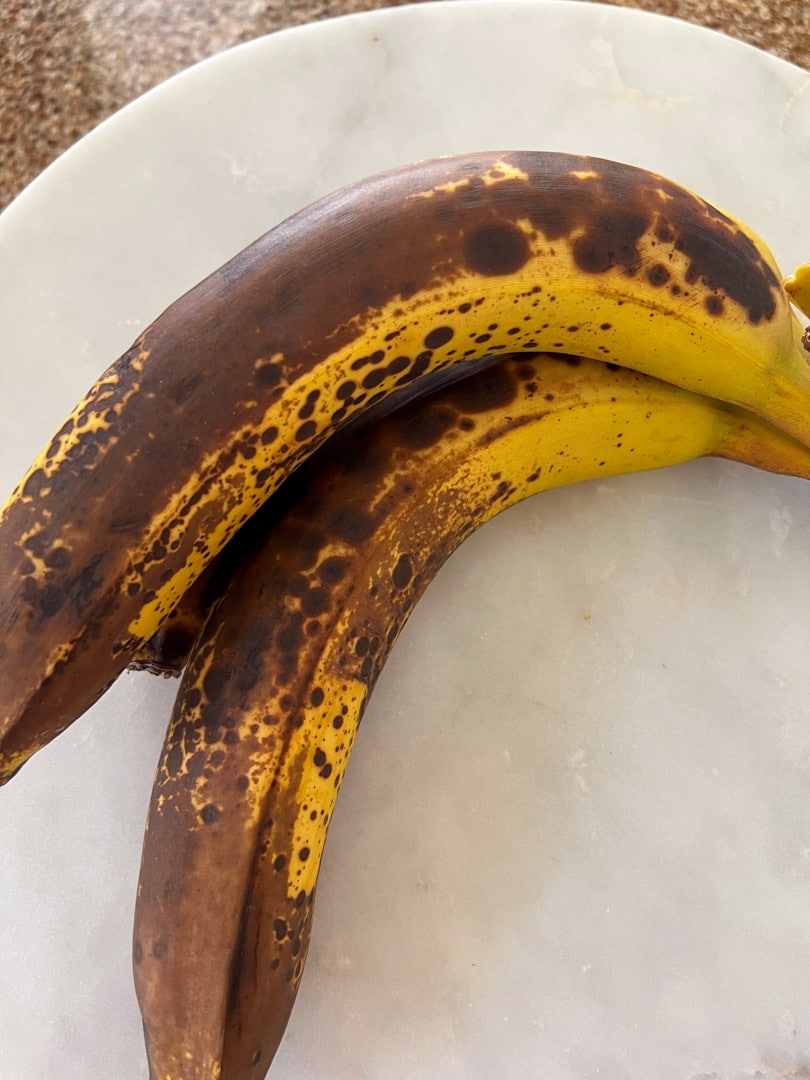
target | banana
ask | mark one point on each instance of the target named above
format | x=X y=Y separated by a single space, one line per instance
x=323 y=579
x=166 y=652
x=366 y=291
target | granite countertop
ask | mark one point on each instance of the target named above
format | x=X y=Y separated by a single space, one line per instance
x=68 y=64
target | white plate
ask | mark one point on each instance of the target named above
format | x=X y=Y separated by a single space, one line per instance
x=612 y=879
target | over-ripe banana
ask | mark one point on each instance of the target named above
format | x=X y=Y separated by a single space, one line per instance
x=325 y=576
x=237 y=382
x=166 y=652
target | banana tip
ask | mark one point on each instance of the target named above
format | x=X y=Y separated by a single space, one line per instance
x=798 y=288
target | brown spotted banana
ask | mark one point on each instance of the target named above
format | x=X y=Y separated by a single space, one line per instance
x=363 y=293
x=321 y=582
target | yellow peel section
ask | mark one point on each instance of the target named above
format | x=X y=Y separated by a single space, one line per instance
x=586 y=442
x=500 y=171
x=92 y=415
x=615 y=316
x=324 y=749
x=573 y=445
x=798 y=288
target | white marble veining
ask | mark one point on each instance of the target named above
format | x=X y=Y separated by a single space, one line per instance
x=612 y=881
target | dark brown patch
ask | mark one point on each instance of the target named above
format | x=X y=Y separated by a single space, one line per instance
x=493 y=388
x=315 y=601
x=419 y=430
x=368 y=361
x=611 y=241
x=332 y=570
x=496 y=249
x=174 y=759
x=373 y=378
x=210 y=814
x=351 y=524
x=590 y=256
x=306 y=431
x=438 y=337
x=196 y=765
x=722 y=258
x=268 y=375
x=308 y=408
x=658 y=275
x=214 y=682
x=402 y=572
x=290 y=638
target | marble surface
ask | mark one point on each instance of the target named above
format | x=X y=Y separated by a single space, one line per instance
x=612 y=881
x=68 y=64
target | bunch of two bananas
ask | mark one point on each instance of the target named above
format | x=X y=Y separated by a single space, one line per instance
x=464 y=332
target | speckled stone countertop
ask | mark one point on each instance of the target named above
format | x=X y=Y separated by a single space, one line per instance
x=68 y=64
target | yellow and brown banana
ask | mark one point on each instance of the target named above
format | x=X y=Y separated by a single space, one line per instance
x=363 y=293
x=322 y=581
